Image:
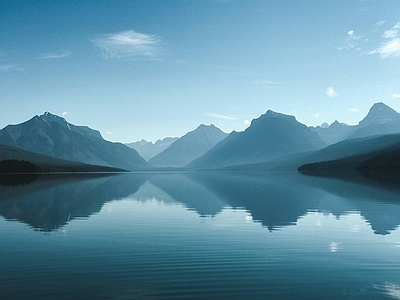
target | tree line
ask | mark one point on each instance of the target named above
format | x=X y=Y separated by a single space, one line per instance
x=18 y=166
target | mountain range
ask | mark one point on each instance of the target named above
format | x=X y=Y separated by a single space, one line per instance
x=381 y=119
x=372 y=147
x=148 y=150
x=272 y=139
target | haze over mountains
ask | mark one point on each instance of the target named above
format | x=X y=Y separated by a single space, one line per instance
x=148 y=150
x=381 y=119
x=189 y=147
x=271 y=138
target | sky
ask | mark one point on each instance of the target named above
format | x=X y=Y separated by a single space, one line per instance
x=149 y=69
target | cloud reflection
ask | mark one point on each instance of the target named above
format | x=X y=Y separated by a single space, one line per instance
x=334 y=247
x=390 y=289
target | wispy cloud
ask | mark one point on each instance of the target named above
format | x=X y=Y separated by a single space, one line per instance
x=352 y=41
x=390 y=46
x=253 y=78
x=6 y=68
x=9 y=68
x=330 y=92
x=396 y=96
x=54 y=55
x=129 y=45
x=219 y=116
x=268 y=84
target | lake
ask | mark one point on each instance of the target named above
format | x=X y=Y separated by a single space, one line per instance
x=203 y=235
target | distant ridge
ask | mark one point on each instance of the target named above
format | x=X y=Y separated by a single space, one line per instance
x=333 y=133
x=52 y=135
x=381 y=119
x=148 y=150
x=189 y=147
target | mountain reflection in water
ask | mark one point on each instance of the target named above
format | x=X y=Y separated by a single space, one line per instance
x=275 y=199
x=51 y=202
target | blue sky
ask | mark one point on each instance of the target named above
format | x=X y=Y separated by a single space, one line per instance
x=150 y=69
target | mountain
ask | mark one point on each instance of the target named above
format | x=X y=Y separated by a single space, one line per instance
x=148 y=150
x=189 y=147
x=381 y=119
x=333 y=133
x=52 y=135
x=270 y=136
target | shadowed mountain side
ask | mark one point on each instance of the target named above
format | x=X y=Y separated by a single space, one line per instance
x=270 y=136
x=360 y=148
x=50 y=203
x=381 y=164
x=51 y=164
x=189 y=147
x=54 y=136
x=193 y=195
x=353 y=147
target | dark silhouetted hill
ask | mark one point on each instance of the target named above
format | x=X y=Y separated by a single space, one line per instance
x=377 y=158
x=47 y=163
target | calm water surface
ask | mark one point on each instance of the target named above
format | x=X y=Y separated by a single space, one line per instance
x=199 y=236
